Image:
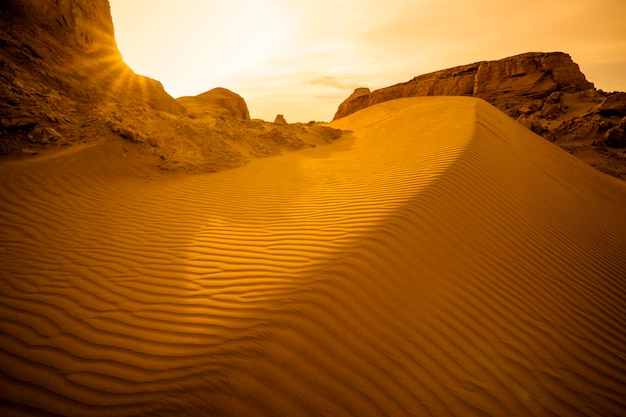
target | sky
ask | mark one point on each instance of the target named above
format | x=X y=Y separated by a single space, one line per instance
x=302 y=58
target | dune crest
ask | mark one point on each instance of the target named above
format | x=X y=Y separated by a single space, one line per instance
x=442 y=260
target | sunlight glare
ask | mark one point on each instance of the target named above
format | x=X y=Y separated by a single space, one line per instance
x=184 y=50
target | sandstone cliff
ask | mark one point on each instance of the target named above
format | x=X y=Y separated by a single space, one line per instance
x=545 y=92
x=521 y=77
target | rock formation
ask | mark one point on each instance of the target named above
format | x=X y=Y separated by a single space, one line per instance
x=218 y=100
x=521 y=77
x=280 y=120
x=545 y=92
x=60 y=69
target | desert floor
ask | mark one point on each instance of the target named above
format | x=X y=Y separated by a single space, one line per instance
x=439 y=260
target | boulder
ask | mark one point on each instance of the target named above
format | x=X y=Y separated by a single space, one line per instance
x=615 y=138
x=614 y=105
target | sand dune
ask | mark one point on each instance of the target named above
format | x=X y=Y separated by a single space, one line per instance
x=441 y=260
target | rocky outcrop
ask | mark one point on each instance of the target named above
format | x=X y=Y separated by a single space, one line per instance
x=60 y=69
x=217 y=101
x=530 y=76
x=614 y=105
x=602 y=126
x=545 y=92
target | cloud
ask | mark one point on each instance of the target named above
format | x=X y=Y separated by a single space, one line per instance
x=334 y=82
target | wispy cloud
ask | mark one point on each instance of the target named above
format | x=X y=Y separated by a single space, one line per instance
x=334 y=82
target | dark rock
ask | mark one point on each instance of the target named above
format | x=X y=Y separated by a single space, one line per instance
x=615 y=138
x=550 y=110
x=614 y=105
x=554 y=98
x=280 y=120
x=18 y=122
x=129 y=134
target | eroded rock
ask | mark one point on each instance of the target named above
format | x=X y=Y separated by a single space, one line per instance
x=614 y=105
x=516 y=79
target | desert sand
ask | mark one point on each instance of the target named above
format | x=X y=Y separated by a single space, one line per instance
x=439 y=260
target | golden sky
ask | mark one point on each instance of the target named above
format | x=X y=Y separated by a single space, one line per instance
x=301 y=58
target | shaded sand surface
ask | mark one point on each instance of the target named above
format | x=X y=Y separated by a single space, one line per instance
x=441 y=260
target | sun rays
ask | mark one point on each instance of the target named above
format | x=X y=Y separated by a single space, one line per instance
x=103 y=64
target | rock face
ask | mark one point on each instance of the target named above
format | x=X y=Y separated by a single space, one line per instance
x=218 y=100
x=546 y=92
x=60 y=68
x=526 y=76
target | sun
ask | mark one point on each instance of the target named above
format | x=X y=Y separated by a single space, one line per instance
x=192 y=46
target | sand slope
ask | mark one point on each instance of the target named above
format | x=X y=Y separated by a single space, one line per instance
x=440 y=261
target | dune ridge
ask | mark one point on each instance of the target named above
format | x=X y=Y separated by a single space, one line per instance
x=440 y=261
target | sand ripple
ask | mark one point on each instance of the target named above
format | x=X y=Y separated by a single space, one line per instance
x=439 y=261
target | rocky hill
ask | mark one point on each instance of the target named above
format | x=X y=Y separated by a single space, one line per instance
x=545 y=92
x=63 y=81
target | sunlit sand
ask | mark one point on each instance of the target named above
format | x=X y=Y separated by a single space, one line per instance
x=439 y=260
